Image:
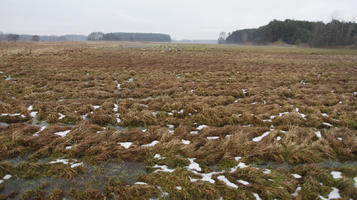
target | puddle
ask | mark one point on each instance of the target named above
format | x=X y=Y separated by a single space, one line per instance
x=17 y=161
x=128 y=172
x=4 y=124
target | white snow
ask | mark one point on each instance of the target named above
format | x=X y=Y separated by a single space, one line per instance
x=61 y=116
x=30 y=108
x=130 y=80
x=278 y=138
x=295 y=194
x=267 y=171
x=126 y=145
x=243 y=182
x=159 y=157
x=163 y=168
x=178 y=187
x=213 y=138
x=153 y=143
x=301 y=114
x=296 y=176
x=118 y=117
x=68 y=147
x=118 y=86
x=193 y=165
x=237 y=158
x=115 y=109
x=327 y=124
x=41 y=129
x=340 y=138
x=7 y=176
x=155 y=113
x=355 y=180
x=76 y=165
x=1 y=181
x=334 y=194
x=181 y=111
x=336 y=174
x=64 y=161
x=63 y=133
x=254 y=103
x=318 y=134
x=194 y=132
x=171 y=126
x=227 y=182
x=170 y=113
x=244 y=91
x=140 y=183
x=257 y=139
x=96 y=107
x=240 y=165
x=185 y=141
x=33 y=114
x=324 y=115
x=13 y=115
x=257 y=197
x=200 y=127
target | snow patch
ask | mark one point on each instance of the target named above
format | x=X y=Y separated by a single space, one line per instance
x=243 y=182
x=186 y=141
x=213 y=138
x=7 y=177
x=318 y=134
x=200 y=127
x=296 y=176
x=227 y=182
x=295 y=194
x=159 y=157
x=257 y=197
x=334 y=194
x=163 y=168
x=259 y=138
x=327 y=124
x=126 y=145
x=140 y=183
x=336 y=174
x=193 y=165
x=153 y=143
x=63 y=133
x=61 y=116
x=194 y=132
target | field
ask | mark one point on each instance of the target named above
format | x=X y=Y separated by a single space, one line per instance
x=173 y=121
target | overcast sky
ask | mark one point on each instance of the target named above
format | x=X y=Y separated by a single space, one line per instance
x=182 y=19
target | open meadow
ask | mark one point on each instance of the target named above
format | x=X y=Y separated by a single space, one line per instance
x=106 y=120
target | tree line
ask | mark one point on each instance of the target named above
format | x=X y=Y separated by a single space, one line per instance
x=315 y=34
x=11 y=37
x=120 y=36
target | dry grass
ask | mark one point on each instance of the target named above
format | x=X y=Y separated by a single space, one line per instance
x=239 y=92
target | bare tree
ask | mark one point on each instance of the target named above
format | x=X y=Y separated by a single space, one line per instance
x=35 y=38
x=13 y=37
x=222 y=38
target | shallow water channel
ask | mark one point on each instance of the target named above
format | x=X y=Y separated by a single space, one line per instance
x=127 y=172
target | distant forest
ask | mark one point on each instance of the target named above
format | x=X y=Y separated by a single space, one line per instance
x=95 y=36
x=142 y=37
x=43 y=38
x=315 y=34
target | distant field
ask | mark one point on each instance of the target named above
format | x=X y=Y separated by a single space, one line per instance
x=108 y=120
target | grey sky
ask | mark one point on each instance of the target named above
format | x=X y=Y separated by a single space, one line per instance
x=182 y=19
